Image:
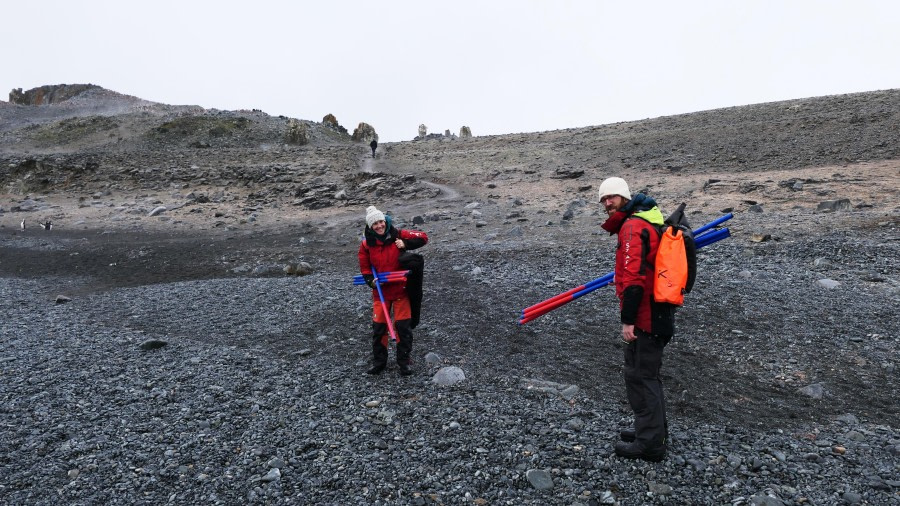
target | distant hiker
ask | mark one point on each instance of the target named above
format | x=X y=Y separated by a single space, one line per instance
x=373 y=145
x=646 y=325
x=381 y=248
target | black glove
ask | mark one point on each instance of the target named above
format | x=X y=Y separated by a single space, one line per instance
x=370 y=280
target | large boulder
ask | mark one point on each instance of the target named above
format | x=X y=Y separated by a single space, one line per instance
x=834 y=205
x=465 y=132
x=364 y=133
x=449 y=375
x=423 y=131
x=331 y=122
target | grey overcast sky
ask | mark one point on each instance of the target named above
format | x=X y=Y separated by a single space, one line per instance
x=497 y=66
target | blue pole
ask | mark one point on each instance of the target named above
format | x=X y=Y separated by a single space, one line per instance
x=712 y=224
x=712 y=237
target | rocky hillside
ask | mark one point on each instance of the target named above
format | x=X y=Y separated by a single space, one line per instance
x=67 y=119
x=100 y=139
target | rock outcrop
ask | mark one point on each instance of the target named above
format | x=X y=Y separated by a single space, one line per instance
x=49 y=94
x=297 y=133
x=364 y=133
x=465 y=132
x=330 y=121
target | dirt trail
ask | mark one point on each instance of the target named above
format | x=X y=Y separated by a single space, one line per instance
x=383 y=164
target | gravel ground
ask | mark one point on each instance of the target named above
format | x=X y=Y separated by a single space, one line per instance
x=259 y=395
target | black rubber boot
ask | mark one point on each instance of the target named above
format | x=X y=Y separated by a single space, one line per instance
x=634 y=450
x=628 y=435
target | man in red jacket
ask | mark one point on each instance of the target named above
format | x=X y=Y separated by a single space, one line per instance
x=381 y=248
x=646 y=325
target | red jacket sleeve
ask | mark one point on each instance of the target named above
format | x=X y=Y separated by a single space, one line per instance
x=365 y=265
x=413 y=238
x=635 y=268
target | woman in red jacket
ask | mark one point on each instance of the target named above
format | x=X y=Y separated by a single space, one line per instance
x=381 y=248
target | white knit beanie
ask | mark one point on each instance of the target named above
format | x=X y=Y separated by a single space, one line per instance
x=373 y=215
x=614 y=186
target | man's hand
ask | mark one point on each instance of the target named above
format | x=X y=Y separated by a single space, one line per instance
x=400 y=244
x=628 y=333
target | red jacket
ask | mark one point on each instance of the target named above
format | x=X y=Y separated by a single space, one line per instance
x=384 y=255
x=638 y=241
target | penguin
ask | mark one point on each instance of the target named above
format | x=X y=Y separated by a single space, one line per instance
x=47 y=226
x=23 y=224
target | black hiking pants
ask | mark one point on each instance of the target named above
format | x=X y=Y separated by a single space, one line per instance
x=644 y=388
x=404 y=342
x=379 y=350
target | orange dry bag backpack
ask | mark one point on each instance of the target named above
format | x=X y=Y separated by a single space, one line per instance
x=676 y=261
x=671 y=268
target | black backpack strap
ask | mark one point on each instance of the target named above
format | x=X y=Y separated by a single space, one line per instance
x=677 y=218
x=690 y=250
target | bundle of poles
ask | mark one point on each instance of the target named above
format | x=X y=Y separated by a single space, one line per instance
x=382 y=277
x=703 y=236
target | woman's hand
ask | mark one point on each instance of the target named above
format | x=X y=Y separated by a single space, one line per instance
x=400 y=244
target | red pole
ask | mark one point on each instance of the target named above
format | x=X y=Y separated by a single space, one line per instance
x=544 y=310
x=384 y=308
x=552 y=299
